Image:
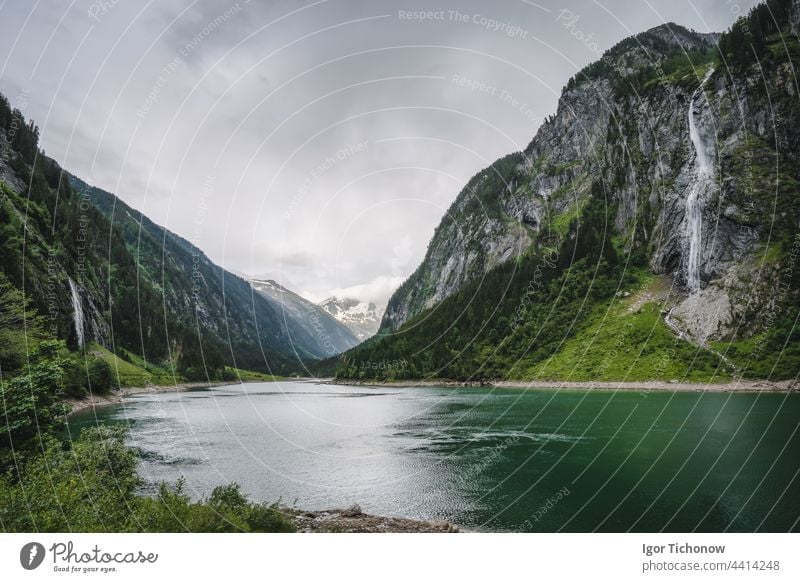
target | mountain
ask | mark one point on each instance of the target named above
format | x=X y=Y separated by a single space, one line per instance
x=332 y=336
x=102 y=272
x=363 y=318
x=647 y=231
x=223 y=303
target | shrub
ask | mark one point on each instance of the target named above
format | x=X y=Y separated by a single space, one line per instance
x=89 y=488
x=30 y=411
x=226 y=510
x=100 y=375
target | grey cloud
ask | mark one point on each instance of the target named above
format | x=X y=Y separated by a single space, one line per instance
x=322 y=226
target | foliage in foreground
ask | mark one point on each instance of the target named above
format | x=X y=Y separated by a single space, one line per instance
x=91 y=487
x=91 y=484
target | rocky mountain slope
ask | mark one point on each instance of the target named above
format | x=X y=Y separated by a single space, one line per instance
x=332 y=335
x=191 y=283
x=363 y=318
x=102 y=272
x=677 y=153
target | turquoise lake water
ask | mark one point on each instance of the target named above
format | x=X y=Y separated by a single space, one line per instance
x=483 y=458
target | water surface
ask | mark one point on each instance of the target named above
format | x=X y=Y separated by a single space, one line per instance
x=483 y=458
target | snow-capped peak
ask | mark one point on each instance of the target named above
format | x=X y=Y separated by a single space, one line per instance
x=362 y=317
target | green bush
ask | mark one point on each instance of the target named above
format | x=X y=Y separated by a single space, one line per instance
x=227 y=510
x=91 y=487
x=73 y=376
x=30 y=411
x=88 y=488
x=101 y=377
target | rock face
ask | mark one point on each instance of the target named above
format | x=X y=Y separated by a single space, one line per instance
x=489 y=223
x=362 y=318
x=622 y=131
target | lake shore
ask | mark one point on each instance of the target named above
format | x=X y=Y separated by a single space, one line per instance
x=644 y=386
x=118 y=395
x=353 y=520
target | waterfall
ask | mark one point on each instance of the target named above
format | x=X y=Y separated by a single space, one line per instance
x=700 y=181
x=77 y=310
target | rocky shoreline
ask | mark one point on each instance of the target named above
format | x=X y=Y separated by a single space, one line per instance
x=353 y=520
x=644 y=386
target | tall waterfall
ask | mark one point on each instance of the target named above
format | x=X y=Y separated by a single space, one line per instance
x=77 y=310
x=702 y=178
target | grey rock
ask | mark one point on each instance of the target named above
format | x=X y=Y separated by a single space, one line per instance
x=637 y=146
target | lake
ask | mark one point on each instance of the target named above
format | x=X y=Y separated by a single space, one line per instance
x=483 y=458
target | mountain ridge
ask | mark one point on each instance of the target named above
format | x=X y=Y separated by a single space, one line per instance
x=599 y=202
x=103 y=272
x=363 y=318
x=333 y=336
x=223 y=301
x=508 y=239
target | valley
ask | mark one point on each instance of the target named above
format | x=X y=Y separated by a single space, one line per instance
x=601 y=334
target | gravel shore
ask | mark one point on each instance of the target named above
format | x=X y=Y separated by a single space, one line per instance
x=644 y=386
x=353 y=520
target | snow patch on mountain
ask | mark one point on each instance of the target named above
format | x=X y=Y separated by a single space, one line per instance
x=332 y=336
x=363 y=318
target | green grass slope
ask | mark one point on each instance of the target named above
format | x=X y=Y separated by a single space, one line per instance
x=627 y=339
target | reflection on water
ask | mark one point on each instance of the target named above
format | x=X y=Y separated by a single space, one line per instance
x=483 y=458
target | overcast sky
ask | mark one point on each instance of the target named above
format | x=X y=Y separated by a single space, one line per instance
x=317 y=143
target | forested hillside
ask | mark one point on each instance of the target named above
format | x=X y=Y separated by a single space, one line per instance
x=649 y=230
x=107 y=278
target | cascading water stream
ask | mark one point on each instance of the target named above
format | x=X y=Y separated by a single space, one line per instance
x=77 y=311
x=700 y=180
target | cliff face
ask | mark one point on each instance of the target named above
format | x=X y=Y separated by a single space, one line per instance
x=622 y=127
